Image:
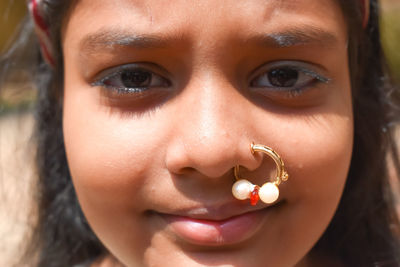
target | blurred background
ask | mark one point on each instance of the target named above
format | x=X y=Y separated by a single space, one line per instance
x=390 y=27
x=16 y=149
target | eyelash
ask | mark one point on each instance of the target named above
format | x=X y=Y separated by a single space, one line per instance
x=312 y=78
x=115 y=75
x=105 y=80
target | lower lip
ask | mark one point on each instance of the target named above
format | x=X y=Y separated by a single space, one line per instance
x=217 y=233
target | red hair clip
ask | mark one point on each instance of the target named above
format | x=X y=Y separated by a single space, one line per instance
x=42 y=31
x=365 y=12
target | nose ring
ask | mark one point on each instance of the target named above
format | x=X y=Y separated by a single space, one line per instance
x=269 y=192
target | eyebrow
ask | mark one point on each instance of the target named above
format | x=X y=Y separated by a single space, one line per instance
x=296 y=36
x=109 y=38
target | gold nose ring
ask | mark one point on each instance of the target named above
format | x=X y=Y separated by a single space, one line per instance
x=269 y=192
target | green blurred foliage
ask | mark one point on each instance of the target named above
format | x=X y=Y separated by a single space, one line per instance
x=12 y=97
x=391 y=37
x=11 y=13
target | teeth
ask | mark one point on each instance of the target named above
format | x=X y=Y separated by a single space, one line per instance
x=197 y=212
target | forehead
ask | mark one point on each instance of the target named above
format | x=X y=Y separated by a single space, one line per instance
x=195 y=19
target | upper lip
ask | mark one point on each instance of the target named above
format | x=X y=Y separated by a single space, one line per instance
x=216 y=212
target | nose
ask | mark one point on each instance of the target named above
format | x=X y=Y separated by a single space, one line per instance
x=213 y=130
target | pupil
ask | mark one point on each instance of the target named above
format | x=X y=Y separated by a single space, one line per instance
x=134 y=79
x=283 y=77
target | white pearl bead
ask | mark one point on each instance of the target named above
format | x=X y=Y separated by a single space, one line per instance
x=241 y=189
x=268 y=193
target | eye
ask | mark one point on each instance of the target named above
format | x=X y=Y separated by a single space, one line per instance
x=282 y=77
x=130 y=79
x=286 y=78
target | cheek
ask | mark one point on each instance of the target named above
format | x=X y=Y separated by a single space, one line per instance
x=318 y=157
x=323 y=148
x=109 y=157
x=318 y=147
x=316 y=150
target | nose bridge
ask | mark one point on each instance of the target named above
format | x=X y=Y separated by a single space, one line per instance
x=211 y=136
x=213 y=119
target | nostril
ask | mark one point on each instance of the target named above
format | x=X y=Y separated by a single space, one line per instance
x=185 y=170
x=211 y=161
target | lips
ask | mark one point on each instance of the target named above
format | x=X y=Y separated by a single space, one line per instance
x=199 y=227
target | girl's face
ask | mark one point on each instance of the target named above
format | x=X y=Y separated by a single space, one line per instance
x=162 y=99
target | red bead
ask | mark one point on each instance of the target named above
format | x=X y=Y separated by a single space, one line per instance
x=254 y=197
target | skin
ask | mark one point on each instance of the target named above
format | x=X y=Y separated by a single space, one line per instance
x=132 y=157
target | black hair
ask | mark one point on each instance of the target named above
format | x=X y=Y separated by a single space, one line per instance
x=365 y=227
